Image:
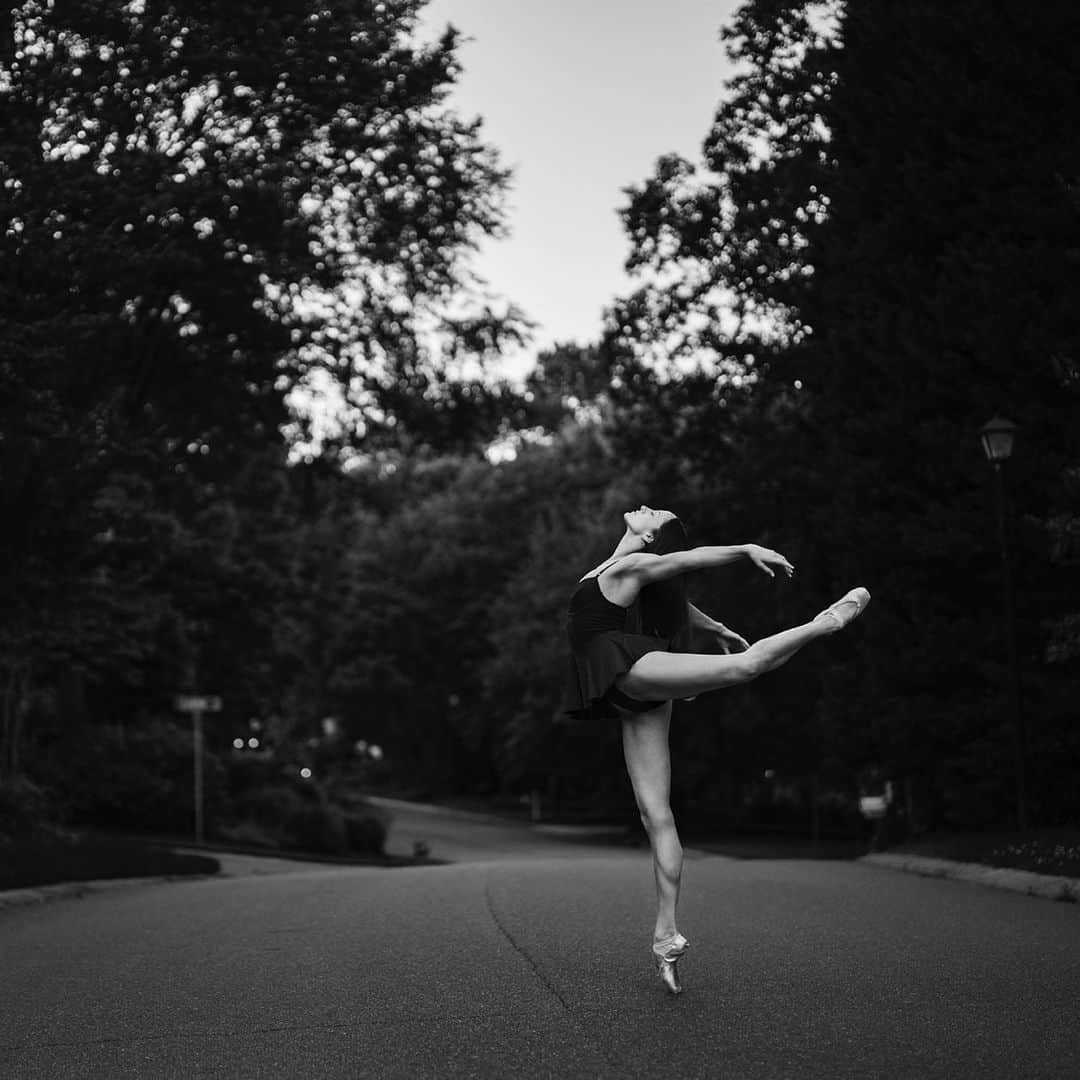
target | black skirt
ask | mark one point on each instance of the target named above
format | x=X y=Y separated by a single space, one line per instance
x=590 y=690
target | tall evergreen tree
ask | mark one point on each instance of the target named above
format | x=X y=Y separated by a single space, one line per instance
x=880 y=260
x=940 y=299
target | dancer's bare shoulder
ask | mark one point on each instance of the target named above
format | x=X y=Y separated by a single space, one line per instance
x=617 y=582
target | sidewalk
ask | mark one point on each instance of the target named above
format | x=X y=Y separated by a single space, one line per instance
x=1066 y=889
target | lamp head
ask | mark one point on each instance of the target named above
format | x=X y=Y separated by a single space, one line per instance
x=997 y=439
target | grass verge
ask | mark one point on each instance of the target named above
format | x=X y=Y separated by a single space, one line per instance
x=26 y=863
x=29 y=862
x=1041 y=851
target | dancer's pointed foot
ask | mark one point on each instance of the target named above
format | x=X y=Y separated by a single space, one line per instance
x=848 y=608
x=666 y=954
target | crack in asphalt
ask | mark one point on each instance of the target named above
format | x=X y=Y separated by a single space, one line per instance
x=612 y=1059
x=518 y=949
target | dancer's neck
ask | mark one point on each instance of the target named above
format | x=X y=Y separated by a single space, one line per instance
x=630 y=543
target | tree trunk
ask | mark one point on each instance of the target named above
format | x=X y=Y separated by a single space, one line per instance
x=14 y=710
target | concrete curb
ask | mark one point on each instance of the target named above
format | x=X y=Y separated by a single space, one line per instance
x=76 y=890
x=583 y=832
x=1066 y=889
x=386 y=803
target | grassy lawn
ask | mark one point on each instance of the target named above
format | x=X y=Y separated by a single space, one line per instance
x=26 y=863
x=1042 y=851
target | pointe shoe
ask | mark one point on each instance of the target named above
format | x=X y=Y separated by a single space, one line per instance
x=666 y=954
x=848 y=608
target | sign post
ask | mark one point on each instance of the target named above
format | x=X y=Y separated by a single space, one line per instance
x=197 y=704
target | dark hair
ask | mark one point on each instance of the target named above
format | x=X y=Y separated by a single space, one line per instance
x=663 y=604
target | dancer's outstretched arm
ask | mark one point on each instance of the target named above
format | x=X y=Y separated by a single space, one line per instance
x=647 y=568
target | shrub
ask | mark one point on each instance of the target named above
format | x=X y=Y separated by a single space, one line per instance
x=24 y=808
x=365 y=833
x=289 y=816
x=249 y=834
x=248 y=772
x=139 y=779
x=271 y=807
x=319 y=828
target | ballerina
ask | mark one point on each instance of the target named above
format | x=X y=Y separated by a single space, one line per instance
x=625 y=617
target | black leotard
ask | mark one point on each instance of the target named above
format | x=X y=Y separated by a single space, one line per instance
x=605 y=640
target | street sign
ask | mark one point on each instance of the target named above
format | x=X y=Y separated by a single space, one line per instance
x=197 y=703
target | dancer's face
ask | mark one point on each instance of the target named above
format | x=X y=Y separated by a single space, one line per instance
x=645 y=521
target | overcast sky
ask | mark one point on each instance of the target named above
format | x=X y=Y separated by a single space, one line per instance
x=580 y=97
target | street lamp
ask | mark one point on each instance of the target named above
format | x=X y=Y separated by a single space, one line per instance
x=997 y=440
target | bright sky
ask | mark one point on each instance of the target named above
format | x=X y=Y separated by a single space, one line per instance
x=581 y=97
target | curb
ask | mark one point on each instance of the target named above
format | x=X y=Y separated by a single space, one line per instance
x=435 y=808
x=76 y=890
x=583 y=832
x=1066 y=889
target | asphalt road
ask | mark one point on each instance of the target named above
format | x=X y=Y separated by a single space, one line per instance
x=534 y=962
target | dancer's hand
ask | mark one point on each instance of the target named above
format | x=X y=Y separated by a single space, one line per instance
x=765 y=559
x=729 y=641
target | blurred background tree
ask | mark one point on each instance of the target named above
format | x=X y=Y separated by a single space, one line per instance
x=199 y=234
x=881 y=250
x=253 y=435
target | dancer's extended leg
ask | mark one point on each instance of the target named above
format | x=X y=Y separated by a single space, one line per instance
x=648 y=761
x=660 y=675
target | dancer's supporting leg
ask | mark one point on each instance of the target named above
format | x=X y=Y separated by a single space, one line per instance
x=680 y=675
x=648 y=761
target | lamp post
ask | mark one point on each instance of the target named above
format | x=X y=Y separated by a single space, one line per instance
x=997 y=440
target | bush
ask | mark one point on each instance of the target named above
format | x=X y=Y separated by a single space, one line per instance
x=288 y=816
x=24 y=808
x=250 y=772
x=365 y=833
x=319 y=828
x=248 y=834
x=271 y=807
x=139 y=779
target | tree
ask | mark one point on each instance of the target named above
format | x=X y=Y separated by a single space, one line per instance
x=940 y=299
x=196 y=228
x=877 y=266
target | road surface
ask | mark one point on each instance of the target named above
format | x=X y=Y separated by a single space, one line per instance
x=531 y=959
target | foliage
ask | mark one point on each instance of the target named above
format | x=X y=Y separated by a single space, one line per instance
x=891 y=219
x=211 y=213
x=940 y=302
x=876 y=257
x=140 y=780
x=24 y=808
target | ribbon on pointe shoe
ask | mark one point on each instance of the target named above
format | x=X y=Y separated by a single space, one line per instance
x=670 y=948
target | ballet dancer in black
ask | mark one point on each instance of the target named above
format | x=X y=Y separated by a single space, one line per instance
x=625 y=618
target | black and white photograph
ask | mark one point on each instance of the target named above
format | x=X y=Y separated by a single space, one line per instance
x=539 y=541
